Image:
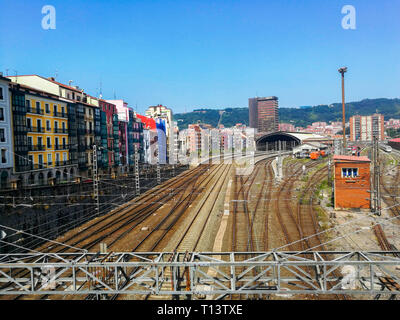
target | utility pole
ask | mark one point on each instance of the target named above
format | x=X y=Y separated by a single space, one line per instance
x=376 y=177
x=342 y=72
x=137 y=177
x=95 y=180
x=158 y=166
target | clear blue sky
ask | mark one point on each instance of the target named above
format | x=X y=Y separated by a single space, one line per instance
x=191 y=54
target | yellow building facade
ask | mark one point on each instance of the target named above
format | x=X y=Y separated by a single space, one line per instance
x=47 y=123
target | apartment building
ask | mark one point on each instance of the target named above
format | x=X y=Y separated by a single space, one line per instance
x=365 y=128
x=41 y=139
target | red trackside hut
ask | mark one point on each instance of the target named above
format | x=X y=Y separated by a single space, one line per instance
x=352 y=183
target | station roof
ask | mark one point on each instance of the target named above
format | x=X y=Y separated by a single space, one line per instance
x=351 y=158
x=301 y=137
x=305 y=135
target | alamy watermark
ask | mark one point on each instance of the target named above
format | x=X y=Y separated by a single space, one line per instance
x=349 y=20
x=49 y=20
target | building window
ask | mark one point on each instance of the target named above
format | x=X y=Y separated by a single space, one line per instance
x=2 y=135
x=30 y=142
x=349 y=172
x=48 y=142
x=47 y=108
x=28 y=123
x=37 y=105
x=3 y=156
x=49 y=161
x=1 y=94
x=55 y=110
x=1 y=114
x=48 y=125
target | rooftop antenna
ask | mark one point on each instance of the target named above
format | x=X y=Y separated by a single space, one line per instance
x=70 y=82
x=6 y=72
x=16 y=76
x=56 y=74
x=115 y=96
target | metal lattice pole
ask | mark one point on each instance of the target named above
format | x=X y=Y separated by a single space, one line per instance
x=158 y=167
x=137 y=177
x=95 y=180
x=377 y=195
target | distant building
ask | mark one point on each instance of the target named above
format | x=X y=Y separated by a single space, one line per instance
x=392 y=124
x=263 y=114
x=287 y=127
x=365 y=128
x=163 y=113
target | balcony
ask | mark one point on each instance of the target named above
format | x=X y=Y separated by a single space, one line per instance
x=34 y=110
x=38 y=166
x=60 y=114
x=38 y=147
x=60 y=130
x=81 y=131
x=61 y=147
x=89 y=146
x=36 y=129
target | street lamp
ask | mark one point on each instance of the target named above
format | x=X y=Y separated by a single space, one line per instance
x=342 y=71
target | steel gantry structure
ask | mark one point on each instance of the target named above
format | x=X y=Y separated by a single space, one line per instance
x=207 y=273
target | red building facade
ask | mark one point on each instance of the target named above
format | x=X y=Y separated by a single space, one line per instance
x=352 y=183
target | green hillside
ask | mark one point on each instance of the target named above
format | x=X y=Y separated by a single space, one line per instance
x=390 y=108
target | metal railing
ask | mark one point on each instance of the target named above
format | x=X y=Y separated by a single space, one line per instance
x=36 y=129
x=37 y=147
x=61 y=147
x=211 y=274
x=60 y=130
x=34 y=110
x=60 y=114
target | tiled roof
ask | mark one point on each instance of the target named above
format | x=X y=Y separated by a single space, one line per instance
x=351 y=158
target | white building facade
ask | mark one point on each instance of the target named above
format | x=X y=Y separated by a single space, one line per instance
x=6 y=138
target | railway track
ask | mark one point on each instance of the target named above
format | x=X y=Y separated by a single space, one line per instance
x=126 y=215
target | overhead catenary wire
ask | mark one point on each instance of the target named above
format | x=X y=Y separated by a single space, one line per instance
x=49 y=240
x=21 y=247
x=335 y=228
